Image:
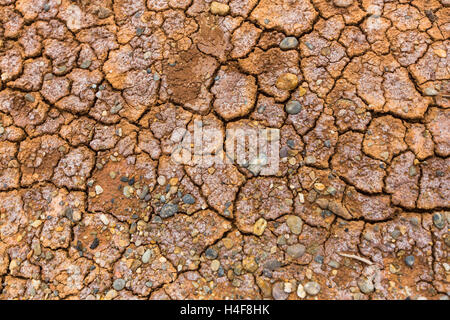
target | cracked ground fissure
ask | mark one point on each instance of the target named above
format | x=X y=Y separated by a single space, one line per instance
x=92 y=206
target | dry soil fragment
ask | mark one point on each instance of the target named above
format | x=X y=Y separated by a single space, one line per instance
x=9 y=168
x=320 y=141
x=183 y=238
x=320 y=197
x=188 y=80
x=438 y=123
x=434 y=184
x=39 y=157
x=419 y=140
x=269 y=66
x=244 y=39
x=358 y=169
x=293 y=18
x=384 y=138
x=100 y=237
x=262 y=197
x=402 y=180
x=371 y=208
x=219 y=184
x=145 y=268
x=74 y=168
x=235 y=93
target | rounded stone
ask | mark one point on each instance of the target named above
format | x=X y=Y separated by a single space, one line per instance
x=301 y=291
x=146 y=256
x=118 y=284
x=438 y=221
x=210 y=253
x=161 y=180
x=343 y=3
x=312 y=288
x=289 y=43
x=188 y=199
x=287 y=81
x=296 y=250
x=220 y=9
x=168 y=210
x=278 y=292
x=250 y=264
x=365 y=285
x=310 y=160
x=409 y=260
x=215 y=265
x=259 y=226
x=293 y=107
x=295 y=224
x=430 y=91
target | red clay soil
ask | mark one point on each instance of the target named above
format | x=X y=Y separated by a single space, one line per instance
x=93 y=206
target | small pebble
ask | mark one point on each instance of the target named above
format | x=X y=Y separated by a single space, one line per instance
x=211 y=253
x=220 y=9
x=287 y=81
x=85 y=64
x=278 y=292
x=29 y=97
x=168 y=210
x=312 y=288
x=98 y=190
x=161 y=180
x=310 y=160
x=293 y=107
x=365 y=285
x=188 y=199
x=289 y=43
x=295 y=224
x=430 y=91
x=409 y=260
x=259 y=226
x=296 y=250
x=301 y=291
x=438 y=220
x=215 y=265
x=119 y=284
x=146 y=256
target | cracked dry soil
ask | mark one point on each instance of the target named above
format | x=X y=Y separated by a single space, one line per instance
x=93 y=207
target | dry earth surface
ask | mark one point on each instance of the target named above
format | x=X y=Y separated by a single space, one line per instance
x=92 y=206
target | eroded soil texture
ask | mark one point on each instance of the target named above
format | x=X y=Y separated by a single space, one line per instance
x=93 y=206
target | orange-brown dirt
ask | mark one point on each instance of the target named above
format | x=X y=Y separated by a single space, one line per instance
x=93 y=206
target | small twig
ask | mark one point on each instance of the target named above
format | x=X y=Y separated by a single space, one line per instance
x=352 y=256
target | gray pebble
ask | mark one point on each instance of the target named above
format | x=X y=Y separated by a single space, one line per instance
x=310 y=160
x=430 y=91
x=319 y=259
x=119 y=284
x=168 y=210
x=29 y=97
x=115 y=109
x=365 y=285
x=409 y=260
x=188 y=199
x=295 y=224
x=146 y=256
x=144 y=192
x=312 y=288
x=289 y=43
x=293 y=107
x=334 y=264
x=210 y=253
x=85 y=64
x=296 y=250
x=438 y=220
x=278 y=292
